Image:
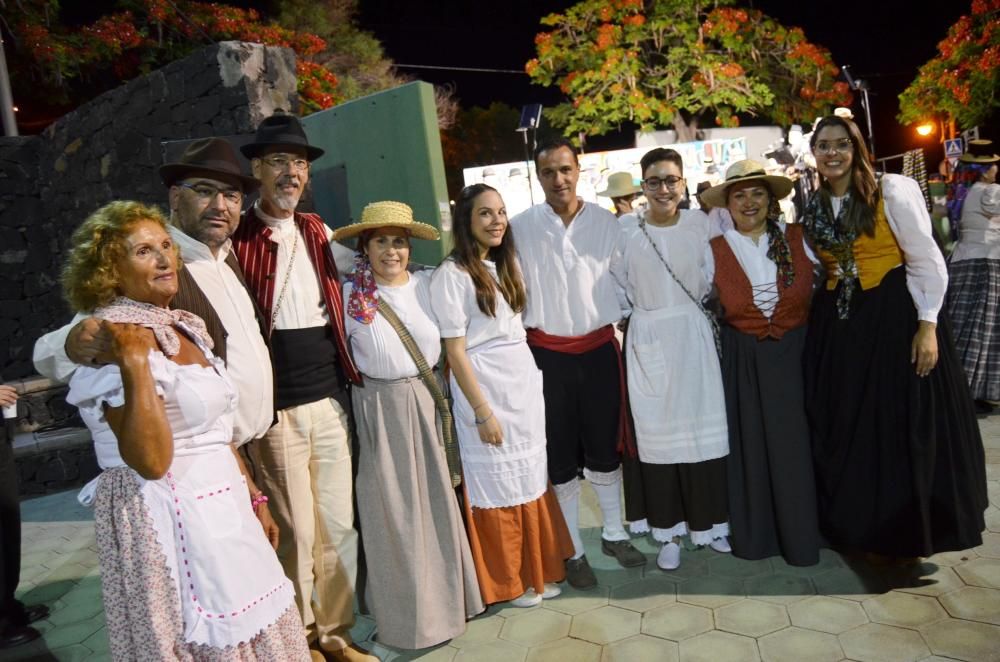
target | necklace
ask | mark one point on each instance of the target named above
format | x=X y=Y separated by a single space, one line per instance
x=288 y=275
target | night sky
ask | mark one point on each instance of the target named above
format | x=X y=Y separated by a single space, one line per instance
x=883 y=41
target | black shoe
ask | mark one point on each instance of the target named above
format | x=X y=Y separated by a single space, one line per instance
x=623 y=551
x=35 y=613
x=17 y=635
x=579 y=575
x=983 y=408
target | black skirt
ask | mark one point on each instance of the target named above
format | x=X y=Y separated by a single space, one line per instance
x=899 y=459
x=772 y=493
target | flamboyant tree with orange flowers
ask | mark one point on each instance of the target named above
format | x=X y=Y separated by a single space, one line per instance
x=960 y=84
x=72 y=63
x=677 y=63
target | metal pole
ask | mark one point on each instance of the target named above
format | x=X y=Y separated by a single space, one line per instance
x=527 y=166
x=6 y=98
x=868 y=116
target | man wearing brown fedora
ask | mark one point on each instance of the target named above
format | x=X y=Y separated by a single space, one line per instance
x=304 y=461
x=206 y=187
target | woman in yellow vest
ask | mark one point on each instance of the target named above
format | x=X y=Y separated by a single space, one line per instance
x=899 y=459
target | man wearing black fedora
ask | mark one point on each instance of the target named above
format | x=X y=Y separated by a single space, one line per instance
x=206 y=187
x=304 y=461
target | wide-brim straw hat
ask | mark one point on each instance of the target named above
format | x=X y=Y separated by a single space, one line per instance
x=387 y=214
x=979 y=151
x=619 y=184
x=746 y=170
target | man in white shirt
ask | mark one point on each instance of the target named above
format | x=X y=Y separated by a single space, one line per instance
x=565 y=245
x=305 y=459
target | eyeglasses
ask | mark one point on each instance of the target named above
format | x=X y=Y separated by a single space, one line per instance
x=280 y=163
x=654 y=183
x=208 y=192
x=842 y=146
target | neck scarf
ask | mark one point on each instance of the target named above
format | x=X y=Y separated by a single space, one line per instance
x=827 y=233
x=123 y=310
x=363 y=302
x=778 y=250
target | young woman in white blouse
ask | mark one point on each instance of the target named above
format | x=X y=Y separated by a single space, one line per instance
x=422 y=581
x=517 y=532
x=899 y=459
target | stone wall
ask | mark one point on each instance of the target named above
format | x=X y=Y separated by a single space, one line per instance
x=108 y=149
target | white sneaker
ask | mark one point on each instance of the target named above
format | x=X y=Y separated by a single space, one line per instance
x=529 y=599
x=551 y=591
x=721 y=545
x=669 y=557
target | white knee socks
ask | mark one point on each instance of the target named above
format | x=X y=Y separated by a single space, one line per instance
x=569 y=502
x=608 y=486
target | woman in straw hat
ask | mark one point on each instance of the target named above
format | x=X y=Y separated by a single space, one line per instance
x=518 y=535
x=421 y=576
x=763 y=274
x=974 y=271
x=678 y=485
x=898 y=455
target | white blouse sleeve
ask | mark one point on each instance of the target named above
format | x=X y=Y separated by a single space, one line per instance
x=619 y=269
x=708 y=266
x=926 y=273
x=449 y=287
x=990 y=203
x=91 y=388
x=49 y=355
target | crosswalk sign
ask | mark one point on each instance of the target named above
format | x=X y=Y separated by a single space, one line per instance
x=954 y=148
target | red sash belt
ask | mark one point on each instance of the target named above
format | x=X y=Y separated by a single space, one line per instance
x=582 y=345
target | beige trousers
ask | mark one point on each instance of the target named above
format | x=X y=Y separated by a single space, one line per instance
x=304 y=464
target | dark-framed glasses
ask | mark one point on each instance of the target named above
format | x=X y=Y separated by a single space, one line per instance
x=654 y=183
x=281 y=162
x=842 y=146
x=208 y=192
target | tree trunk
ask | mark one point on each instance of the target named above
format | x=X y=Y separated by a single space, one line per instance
x=686 y=130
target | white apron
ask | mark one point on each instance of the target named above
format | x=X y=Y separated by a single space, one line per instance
x=675 y=386
x=515 y=472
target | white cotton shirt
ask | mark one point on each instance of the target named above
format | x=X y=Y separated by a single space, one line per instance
x=302 y=305
x=378 y=351
x=247 y=359
x=979 y=226
x=926 y=271
x=570 y=289
x=453 y=296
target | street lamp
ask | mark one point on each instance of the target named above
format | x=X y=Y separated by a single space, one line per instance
x=925 y=129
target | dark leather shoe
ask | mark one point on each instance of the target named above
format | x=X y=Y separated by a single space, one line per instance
x=579 y=575
x=623 y=551
x=17 y=635
x=35 y=613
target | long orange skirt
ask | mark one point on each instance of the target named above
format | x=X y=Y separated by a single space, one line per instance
x=518 y=547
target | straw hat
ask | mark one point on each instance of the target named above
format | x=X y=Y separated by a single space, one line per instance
x=745 y=171
x=979 y=151
x=619 y=184
x=387 y=214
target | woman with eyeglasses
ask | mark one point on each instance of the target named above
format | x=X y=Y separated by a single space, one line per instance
x=678 y=485
x=898 y=455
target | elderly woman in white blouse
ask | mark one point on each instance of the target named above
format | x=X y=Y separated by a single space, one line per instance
x=421 y=575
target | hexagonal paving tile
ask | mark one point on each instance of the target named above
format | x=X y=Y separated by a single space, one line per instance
x=477 y=631
x=492 y=651
x=536 y=627
x=644 y=594
x=728 y=565
x=779 y=588
x=710 y=592
x=715 y=646
x=796 y=644
x=980 y=572
x=990 y=547
x=677 y=622
x=993 y=519
x=951 y=559
x=847 y=583
x=641 y=647
x=904 y=609
x=694 y=564
x=938 y=581
x=827 y=614
x=883 y=643
x=604 y=625
x=565 y=650
x=617 y=575
x=963 y=640
x=751 y=617
x=974 y=603
x=573 y=601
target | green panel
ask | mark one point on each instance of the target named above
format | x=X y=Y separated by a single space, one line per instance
x=383 y=147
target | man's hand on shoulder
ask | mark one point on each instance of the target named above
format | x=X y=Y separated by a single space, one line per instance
x=87 y=341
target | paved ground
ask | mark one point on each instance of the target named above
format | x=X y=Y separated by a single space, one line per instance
x=714 y=608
